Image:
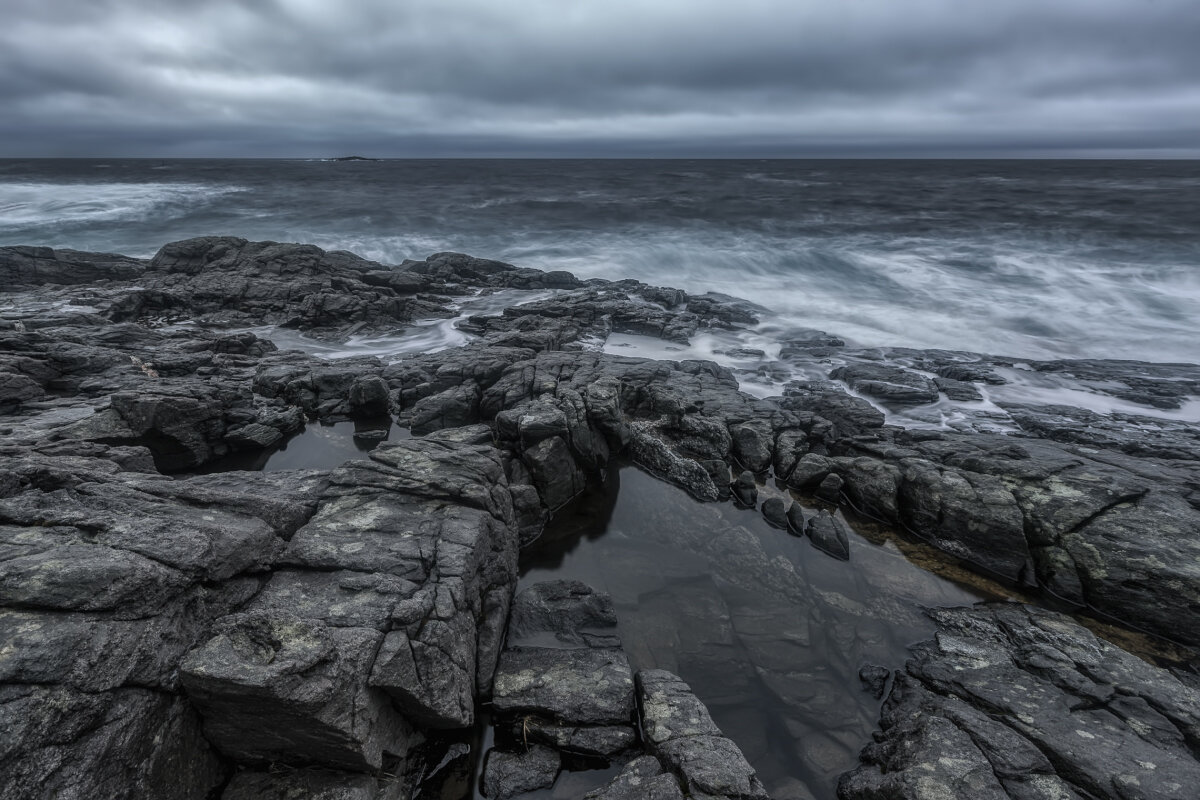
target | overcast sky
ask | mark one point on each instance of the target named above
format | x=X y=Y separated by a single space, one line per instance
x=394 y=78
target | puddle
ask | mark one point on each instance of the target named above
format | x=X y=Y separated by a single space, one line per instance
x=318 y=446
x=769 y=631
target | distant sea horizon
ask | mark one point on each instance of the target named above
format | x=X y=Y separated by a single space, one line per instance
x=1074 y=257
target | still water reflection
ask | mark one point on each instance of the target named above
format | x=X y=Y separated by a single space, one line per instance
x=769 y=631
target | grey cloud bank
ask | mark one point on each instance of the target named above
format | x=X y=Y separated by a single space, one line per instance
x=467 y=77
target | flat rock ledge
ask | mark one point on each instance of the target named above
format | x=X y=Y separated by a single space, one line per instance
x=1010 y=702
x=173 y=628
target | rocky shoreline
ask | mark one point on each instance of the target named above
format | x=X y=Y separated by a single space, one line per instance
x=174 y=629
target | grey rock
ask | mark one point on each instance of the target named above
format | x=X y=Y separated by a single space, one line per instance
x=130 y=743
x=888 y=383
x=41 y=265
x=829 y=535
x=368 y=397
x=555 y=474
x=599 y=741
x=796 y=522
x=958 y=390
x=680 y=732
x=830 y=488
x=310 y=784
x=507 y=775
x=874 y=679
x=592 y=686
x=1031 y=705
x=562 y=613
x=774 y=511
x=280 y=688
x=745 y=490
x=751 y=442
x=642 y=779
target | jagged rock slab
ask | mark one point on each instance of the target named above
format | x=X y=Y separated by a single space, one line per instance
x=507 y=774
x=311 y=784
x=1009 y=701
x=592 y=686
x=276 y=687
x=680 y=732
x=641 y=779
x=563 y=678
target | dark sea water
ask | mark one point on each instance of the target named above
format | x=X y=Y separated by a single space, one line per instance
x=1024 y=258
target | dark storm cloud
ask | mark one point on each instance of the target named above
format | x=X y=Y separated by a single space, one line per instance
x=474 y=77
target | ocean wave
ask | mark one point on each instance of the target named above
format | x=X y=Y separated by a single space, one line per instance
x=25 y=205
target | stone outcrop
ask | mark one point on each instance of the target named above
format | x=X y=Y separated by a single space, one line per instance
x=1012 y=702
x=162 y=627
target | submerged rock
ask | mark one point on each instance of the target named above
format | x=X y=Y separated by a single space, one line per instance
x=829 y=535
x=563 y=675
x=681 y=733
x=642 y=779
x=745 y=490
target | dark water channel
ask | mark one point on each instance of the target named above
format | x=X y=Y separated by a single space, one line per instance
x=769 y=631
x=318 y=446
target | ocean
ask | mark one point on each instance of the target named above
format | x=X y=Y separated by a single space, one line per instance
x=1030 y=259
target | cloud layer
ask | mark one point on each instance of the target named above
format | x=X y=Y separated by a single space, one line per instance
x=614 y=77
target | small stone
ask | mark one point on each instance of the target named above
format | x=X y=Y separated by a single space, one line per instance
x=874 y=679
x=795 y=519
x=830 y=489
x=828 y=534
x=774 y=511
x=745 y=491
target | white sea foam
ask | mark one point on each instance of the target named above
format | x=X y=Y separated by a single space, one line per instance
x=423 y=336
x=38 y=205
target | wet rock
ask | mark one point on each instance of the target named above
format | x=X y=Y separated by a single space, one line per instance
x=451 y=408
x=642 y=779
x=653 y=453
x=830 y=489
x=41 y=265
x=276 y=687
x=774 y=511
x=597 y=741
x=829 y=535
x=563 y=677
x=751 y=443
x=507 y=775
x=745 y=490
x=555 y=474
x=790 y=446
x=680 y=732
x=809 y=471
x=562 y=612
x=586 y=686
x=888 y=383
x=1029 y=704
x=253 y=437
x=874 y=679
x=311 y=784
x=796 y=522
x=970 y=373
x=17 y=389
x=130 y=743
x=958 y=390
x=368 y=397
